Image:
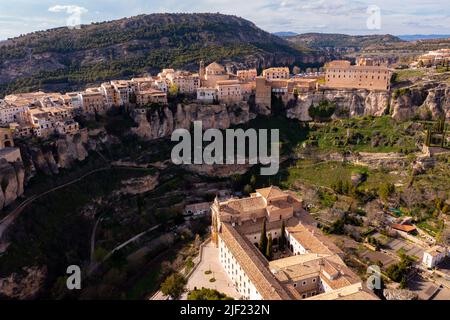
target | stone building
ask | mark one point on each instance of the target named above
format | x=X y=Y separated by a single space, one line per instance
x=213 y=73
x=92 y=102
x=206 y=95
x=341 y=74
x=247 y=75
x=276 y=73
x=149 y=96
x=309 y=267
x=263 y=93
x=229 y=91
x=6 y=138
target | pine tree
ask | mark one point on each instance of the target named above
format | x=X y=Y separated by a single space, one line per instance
x=428 y=139
x=269 y=249
x=263 y=238
x=282 y=242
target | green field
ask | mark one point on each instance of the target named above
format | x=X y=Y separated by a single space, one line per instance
x=407 y=74
x=367 y=134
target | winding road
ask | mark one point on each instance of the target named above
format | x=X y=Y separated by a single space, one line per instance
x=11 y=217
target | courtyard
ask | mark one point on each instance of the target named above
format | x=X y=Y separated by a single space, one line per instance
x=210 y=274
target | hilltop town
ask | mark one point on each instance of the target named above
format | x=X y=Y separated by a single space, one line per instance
x=363 y=181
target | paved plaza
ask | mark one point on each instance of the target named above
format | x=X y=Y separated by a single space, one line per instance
x=210 y=262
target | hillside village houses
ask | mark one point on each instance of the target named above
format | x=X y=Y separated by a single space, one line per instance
x=433 y=58
x=42 y=114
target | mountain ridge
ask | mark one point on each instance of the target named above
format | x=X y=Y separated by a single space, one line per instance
x=67 y=59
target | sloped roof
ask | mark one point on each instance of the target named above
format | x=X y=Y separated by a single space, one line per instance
x=254 y=264
x=271 y=192
x=215 y=66
x=403 y=227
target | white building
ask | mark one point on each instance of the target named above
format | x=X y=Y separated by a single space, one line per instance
x=206 y=95
x=309 y=266
x=434 y=256
x=12 y=113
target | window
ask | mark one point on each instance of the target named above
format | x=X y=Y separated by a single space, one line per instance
x=314 y=280
x=304 y=283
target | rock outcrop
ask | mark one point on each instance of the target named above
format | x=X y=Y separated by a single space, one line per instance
x=138 y=185
x=54 y=155
x=23 y=286
x=12 y=180
x=159 y=123
x=349 y=103
x=399 y=294
x=431 y=100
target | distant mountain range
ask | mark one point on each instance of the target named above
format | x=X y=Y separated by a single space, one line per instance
x=285 y=34
x=336 y=40
x=414 y=37
x=406 y=37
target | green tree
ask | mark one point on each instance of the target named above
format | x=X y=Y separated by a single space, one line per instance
x=323 y=111
x=269 y=249
x=263 y=238
x=173 y=90
x=248 y=189
x=207 y=294
x=253 y=180
x=386 y=190
x=174 y=285
x=282 y=242
x=403 y=283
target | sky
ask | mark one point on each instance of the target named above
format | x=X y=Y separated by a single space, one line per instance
x=396 y=17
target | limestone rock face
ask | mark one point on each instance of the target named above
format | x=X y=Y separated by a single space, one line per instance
x=399 y=294
x=349 y=103
x=138 y=185
x=23 y=286
x=12 y=179
x=218 y=170
x=159 y=123
x=432 y=99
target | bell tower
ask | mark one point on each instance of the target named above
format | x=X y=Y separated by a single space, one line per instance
x=202 y=71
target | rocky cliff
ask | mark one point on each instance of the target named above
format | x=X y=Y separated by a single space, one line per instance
x=426 y=101
x=23 y=285
x=158 y=123
x=349 y=103
x=53 y=155
x=12 y=181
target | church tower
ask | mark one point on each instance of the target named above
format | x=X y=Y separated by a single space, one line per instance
x=202 y=70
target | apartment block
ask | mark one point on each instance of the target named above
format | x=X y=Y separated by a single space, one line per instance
x=276 y=73
x=229 y=91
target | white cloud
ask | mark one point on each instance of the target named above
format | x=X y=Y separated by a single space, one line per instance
x=334 y=16
x=70 y=9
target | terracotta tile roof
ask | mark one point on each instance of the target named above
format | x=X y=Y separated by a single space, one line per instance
x=312 y=240
x=251 y=226
x=253 y=263
x=341 y=275
x=403 y=227
x=271 y=192
x=353 y=292
x=237 y=206
x=215 y=66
